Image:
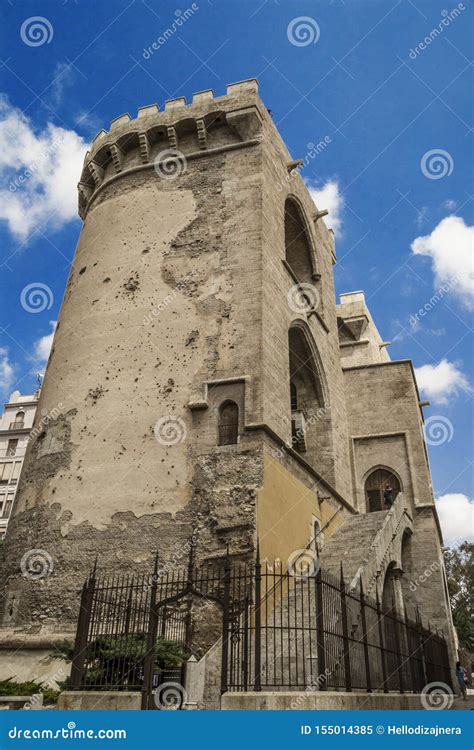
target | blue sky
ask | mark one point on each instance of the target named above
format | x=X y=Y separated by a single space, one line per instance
x=352 y=73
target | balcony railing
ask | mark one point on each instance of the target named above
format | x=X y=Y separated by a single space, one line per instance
x=19 y=425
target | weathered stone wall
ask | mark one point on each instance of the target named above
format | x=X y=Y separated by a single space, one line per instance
x=163 y=297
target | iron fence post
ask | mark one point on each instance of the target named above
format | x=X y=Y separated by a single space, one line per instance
x=397 y=648
x=364 y=638
x=225 y=625
x=345 y=635
x=320 y=630
x=258 y=622
x=424 y=676
x=408 y=631
x=382 y=642
x=80 y=644
x=149 y=659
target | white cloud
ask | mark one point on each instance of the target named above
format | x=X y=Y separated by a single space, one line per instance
x=442 y=381
x=450 y=246
x=328 y=196
x=42 y=347
x=6 y=372
x=456 y=516
x=40 y=171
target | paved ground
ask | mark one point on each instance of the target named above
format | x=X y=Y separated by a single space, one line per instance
x=460 y=705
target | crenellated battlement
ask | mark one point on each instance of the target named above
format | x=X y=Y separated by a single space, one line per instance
x=206 y=126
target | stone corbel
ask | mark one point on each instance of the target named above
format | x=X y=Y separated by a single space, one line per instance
x=295 y=164
x=247 y=122
x=172 y=136
x=117 y=156
x=97 y=173
x=144 y=147
x=202 y=133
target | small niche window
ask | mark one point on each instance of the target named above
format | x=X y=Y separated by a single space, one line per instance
x=228 y=423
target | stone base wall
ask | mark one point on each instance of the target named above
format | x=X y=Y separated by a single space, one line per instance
x=319 y=701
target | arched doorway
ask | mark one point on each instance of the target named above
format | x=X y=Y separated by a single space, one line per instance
x=381 y=490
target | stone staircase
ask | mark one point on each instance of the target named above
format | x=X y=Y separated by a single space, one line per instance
x=365 y=543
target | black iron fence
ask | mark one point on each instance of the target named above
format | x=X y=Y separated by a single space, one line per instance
x=281 y=630
x=134 y=632
x=301 y=632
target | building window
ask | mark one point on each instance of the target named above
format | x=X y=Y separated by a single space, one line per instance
x=11 y=447
x=19 y=422
x=228 y=423
x=5 y=471
x=381 y=489
x=16 y=472
x=8 y=506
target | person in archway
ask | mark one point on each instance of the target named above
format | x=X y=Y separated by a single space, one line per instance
x=388 y=496
x=461 y=675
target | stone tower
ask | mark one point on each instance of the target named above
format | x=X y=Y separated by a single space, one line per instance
x=203 y=380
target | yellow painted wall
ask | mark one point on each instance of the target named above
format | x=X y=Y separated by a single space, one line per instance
x=285 y=507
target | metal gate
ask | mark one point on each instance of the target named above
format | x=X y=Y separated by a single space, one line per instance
x=135 y=632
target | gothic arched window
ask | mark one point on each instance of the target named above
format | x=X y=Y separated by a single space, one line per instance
x=381 y=489
x=298 y=251
x=293 y=396
x=228 y=423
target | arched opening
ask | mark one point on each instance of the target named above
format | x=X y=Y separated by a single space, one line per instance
x=228 y=423
x=19 y=421
x=311 y=432
x=381 y=490
x=298 y=253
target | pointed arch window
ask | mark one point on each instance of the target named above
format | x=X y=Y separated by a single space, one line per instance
x=228 y=423
x=381 y=489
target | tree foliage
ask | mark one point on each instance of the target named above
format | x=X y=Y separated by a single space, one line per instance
x=460 y=573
